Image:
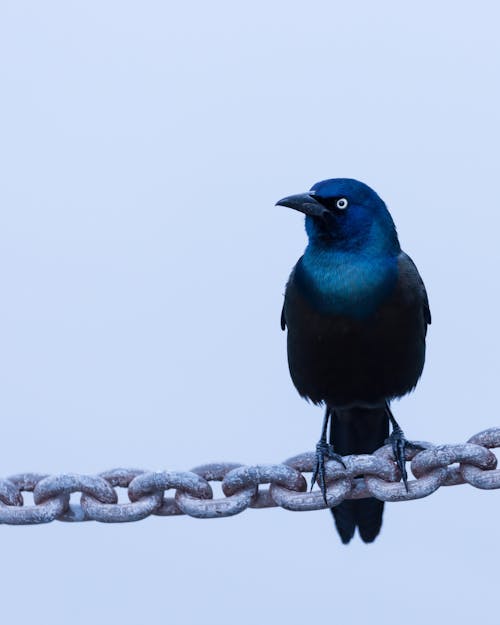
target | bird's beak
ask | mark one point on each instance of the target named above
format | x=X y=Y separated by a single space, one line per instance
x=303 y=202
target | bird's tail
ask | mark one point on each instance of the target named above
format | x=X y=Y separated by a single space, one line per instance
x=359 y=431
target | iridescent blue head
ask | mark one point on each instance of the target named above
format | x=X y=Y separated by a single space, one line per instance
x=351 y=263
x=347 y=215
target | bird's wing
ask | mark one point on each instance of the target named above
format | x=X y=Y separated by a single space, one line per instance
x=419 y=283
x=283 y=320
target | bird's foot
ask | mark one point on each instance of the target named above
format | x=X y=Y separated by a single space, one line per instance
x=324 y=450
x=399 y=446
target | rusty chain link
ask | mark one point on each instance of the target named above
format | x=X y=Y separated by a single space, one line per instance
x=373 y=475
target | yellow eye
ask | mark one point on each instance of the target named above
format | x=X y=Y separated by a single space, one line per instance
x=342 y=203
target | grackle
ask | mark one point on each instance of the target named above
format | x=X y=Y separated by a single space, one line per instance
x=357 y=312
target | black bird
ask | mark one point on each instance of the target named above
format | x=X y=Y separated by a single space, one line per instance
x=357 y=312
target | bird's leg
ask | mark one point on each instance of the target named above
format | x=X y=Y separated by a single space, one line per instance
x=324 y=450
x=399 y=445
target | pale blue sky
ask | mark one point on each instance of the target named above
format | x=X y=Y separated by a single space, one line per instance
x=142 y=149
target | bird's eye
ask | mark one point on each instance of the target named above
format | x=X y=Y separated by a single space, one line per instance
x=341 y=203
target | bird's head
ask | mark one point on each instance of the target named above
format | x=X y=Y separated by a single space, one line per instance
x=346 y=214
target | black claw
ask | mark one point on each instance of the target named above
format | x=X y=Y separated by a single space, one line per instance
x=415 y=446
x=323 y=450
x=399 y=446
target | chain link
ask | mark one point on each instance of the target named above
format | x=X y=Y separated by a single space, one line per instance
x=362 y=476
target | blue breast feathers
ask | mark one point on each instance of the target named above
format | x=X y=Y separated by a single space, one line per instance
x=342 y=283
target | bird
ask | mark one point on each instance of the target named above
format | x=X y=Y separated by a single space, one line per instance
x=356 y=313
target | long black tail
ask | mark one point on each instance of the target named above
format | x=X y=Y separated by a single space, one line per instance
x=359 y=431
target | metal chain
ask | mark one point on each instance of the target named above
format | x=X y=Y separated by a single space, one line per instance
x=363 y=476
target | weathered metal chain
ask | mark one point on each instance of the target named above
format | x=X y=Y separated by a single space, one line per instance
x=373 y=475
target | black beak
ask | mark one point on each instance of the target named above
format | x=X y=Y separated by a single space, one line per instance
x=305 y=203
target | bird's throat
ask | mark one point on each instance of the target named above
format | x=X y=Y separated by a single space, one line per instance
x=340 y=283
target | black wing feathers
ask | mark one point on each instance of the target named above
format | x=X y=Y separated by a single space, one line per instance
x=283 y=320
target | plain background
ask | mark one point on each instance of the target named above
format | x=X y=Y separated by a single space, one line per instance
x=142 y=149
